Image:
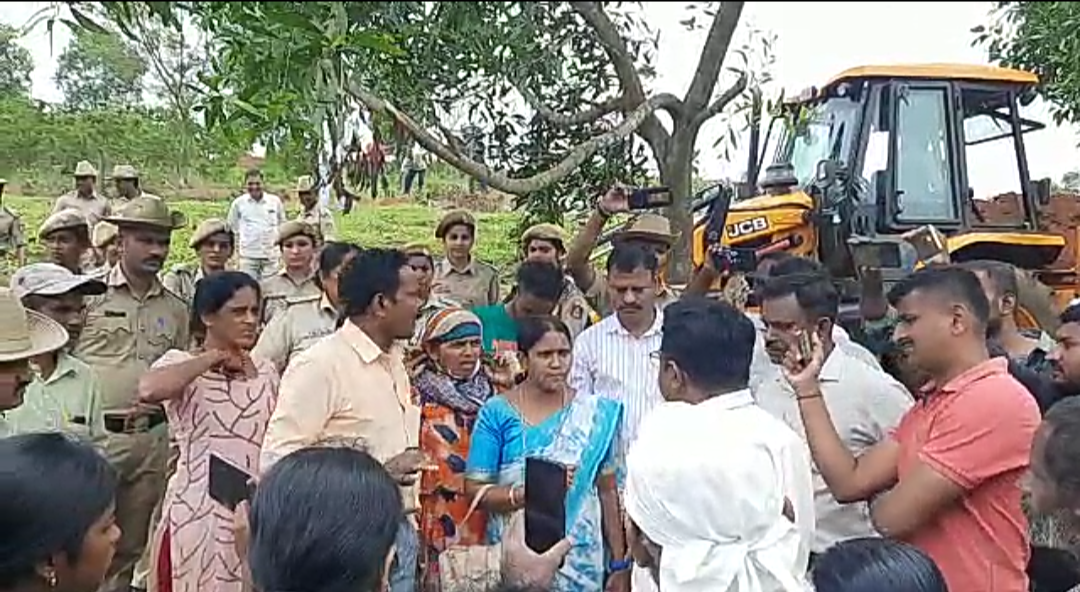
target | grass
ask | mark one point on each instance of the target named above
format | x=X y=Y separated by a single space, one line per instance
x=390 y=224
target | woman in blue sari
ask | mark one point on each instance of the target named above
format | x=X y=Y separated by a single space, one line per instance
x=542 y=417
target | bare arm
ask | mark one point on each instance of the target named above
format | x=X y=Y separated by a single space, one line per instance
x=497 y=499
x=577 y=257
x=168 y=382
x=611 y=516
x=850 y=479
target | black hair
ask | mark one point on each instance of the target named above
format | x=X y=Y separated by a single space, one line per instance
x=540 y=279
x=213 y=291
x=253 y=174
x=1002 y=275
x=950 y=281
x=332 y=255
x=54 y=489
x=814 y=292
x=372 y=272
x=711 y=341
x=1071 y=314
x=872 y=564
x=532 y=329
x=1061 y=452
x=323 y=520
x=628 y=257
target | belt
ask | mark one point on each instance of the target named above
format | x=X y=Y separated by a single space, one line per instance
x=126 y=423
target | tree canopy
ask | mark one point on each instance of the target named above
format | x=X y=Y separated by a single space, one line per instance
x=100 y=70
x=1044 y=38
x=16 y=64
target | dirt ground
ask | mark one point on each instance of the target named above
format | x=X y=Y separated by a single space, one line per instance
x=1061 y=216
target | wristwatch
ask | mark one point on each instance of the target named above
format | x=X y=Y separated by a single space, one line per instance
x=620 y=565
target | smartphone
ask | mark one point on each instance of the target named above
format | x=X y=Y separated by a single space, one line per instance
x=806 y=347
x=229 y=485
x=545 y=503
x=647 y=198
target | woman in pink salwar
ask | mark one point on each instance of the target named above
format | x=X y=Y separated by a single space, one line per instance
x=218 y=401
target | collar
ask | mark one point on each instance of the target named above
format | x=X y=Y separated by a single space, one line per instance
x=833 y=368
x=325 y=304
x=615 y=327
x=284 y=274
x=65 y=366
x=729 y=401
x=368 y=350
x=118 y=279
x=446 y=268
x=991 y=367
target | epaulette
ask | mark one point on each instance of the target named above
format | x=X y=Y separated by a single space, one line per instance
x=291 y=300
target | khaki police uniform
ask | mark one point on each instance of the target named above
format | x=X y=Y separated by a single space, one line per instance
x=126 y=172
x=304 y=321
x=319 y=216
x=647 y=226
x=573 y=308
x=477 y=284
x=12 y=240
x=124 y=334
x=181 y=279
x=280 y=286
x=94 y=206
x=67 y=219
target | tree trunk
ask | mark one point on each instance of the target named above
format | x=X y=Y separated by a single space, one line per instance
x=676 y=173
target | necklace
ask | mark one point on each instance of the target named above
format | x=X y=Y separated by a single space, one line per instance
x=518 y=408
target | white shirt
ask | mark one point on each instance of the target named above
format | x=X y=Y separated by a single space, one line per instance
x=707 y=483
x=256 y=225
x=612 y=363
x=865 y=404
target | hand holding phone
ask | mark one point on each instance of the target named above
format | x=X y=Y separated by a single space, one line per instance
x=405 y=467
x=546 y=483
x=229 y=485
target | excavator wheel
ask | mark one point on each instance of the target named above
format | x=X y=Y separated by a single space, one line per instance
x=1034 y=304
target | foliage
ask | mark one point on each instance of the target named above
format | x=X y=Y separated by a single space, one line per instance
x=367 y=225
x=100 y=71
x=1041 y=37
x=16 y=64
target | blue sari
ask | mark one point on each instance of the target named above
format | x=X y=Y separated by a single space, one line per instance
x=581 y=435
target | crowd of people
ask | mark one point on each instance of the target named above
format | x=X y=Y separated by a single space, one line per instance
x=385 y=404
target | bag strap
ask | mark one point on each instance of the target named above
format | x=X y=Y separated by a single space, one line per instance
x=479 y=497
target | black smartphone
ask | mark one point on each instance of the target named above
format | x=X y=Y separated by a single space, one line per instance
x=545 y=503
x=229 y=485
x=647 y=198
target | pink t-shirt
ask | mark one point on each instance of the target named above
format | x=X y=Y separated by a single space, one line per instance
x=977 y=432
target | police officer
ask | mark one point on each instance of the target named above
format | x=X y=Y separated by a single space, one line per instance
x=314 y=213
x=66 y=237
x=297 y=241
x=84 y=197
x=459 y=276
x=546 y=243
x=12 y=238
x=213 y=241
x=127 y=328
x=421 y=261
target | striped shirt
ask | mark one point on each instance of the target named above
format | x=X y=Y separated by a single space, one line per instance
x=610 y=362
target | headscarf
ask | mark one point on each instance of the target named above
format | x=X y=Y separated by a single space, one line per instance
x=431 y=380
x=709 y=490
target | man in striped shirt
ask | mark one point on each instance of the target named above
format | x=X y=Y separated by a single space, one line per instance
x=616 y=357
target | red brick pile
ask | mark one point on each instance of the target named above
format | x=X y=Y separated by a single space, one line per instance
x=1061 y=216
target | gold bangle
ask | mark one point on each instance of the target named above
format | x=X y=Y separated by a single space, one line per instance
x=808 y=397
x=513 y=497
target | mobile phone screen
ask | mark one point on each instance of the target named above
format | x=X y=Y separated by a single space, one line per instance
x=229 y=485
x=545 y=503
x=649 y=197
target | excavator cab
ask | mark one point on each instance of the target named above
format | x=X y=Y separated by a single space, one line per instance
x=882 y=150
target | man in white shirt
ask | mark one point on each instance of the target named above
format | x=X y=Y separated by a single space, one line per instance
x=615 y=358
x=255 y=217
x=865 y=403
x=718 y=492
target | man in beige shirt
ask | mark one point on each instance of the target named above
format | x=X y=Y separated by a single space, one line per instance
x=84 y=197
x=126 y=329
x=353 y=385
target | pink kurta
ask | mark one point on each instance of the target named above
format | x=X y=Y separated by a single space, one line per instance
x=223 y=417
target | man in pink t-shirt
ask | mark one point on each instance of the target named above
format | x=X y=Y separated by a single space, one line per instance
x=949 y=479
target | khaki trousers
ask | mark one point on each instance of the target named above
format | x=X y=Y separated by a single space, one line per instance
x=140 y=459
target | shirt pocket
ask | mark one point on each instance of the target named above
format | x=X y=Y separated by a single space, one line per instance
x=109 y=332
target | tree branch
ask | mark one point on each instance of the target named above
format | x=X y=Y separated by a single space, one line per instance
x=584 y=117
x=651 y=130
x=712 y=55
x=722 y=101
x=498 y=180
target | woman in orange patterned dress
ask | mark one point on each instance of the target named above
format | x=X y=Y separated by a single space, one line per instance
x=450 y=384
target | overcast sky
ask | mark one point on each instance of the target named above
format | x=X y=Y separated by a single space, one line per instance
x=815 y=40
